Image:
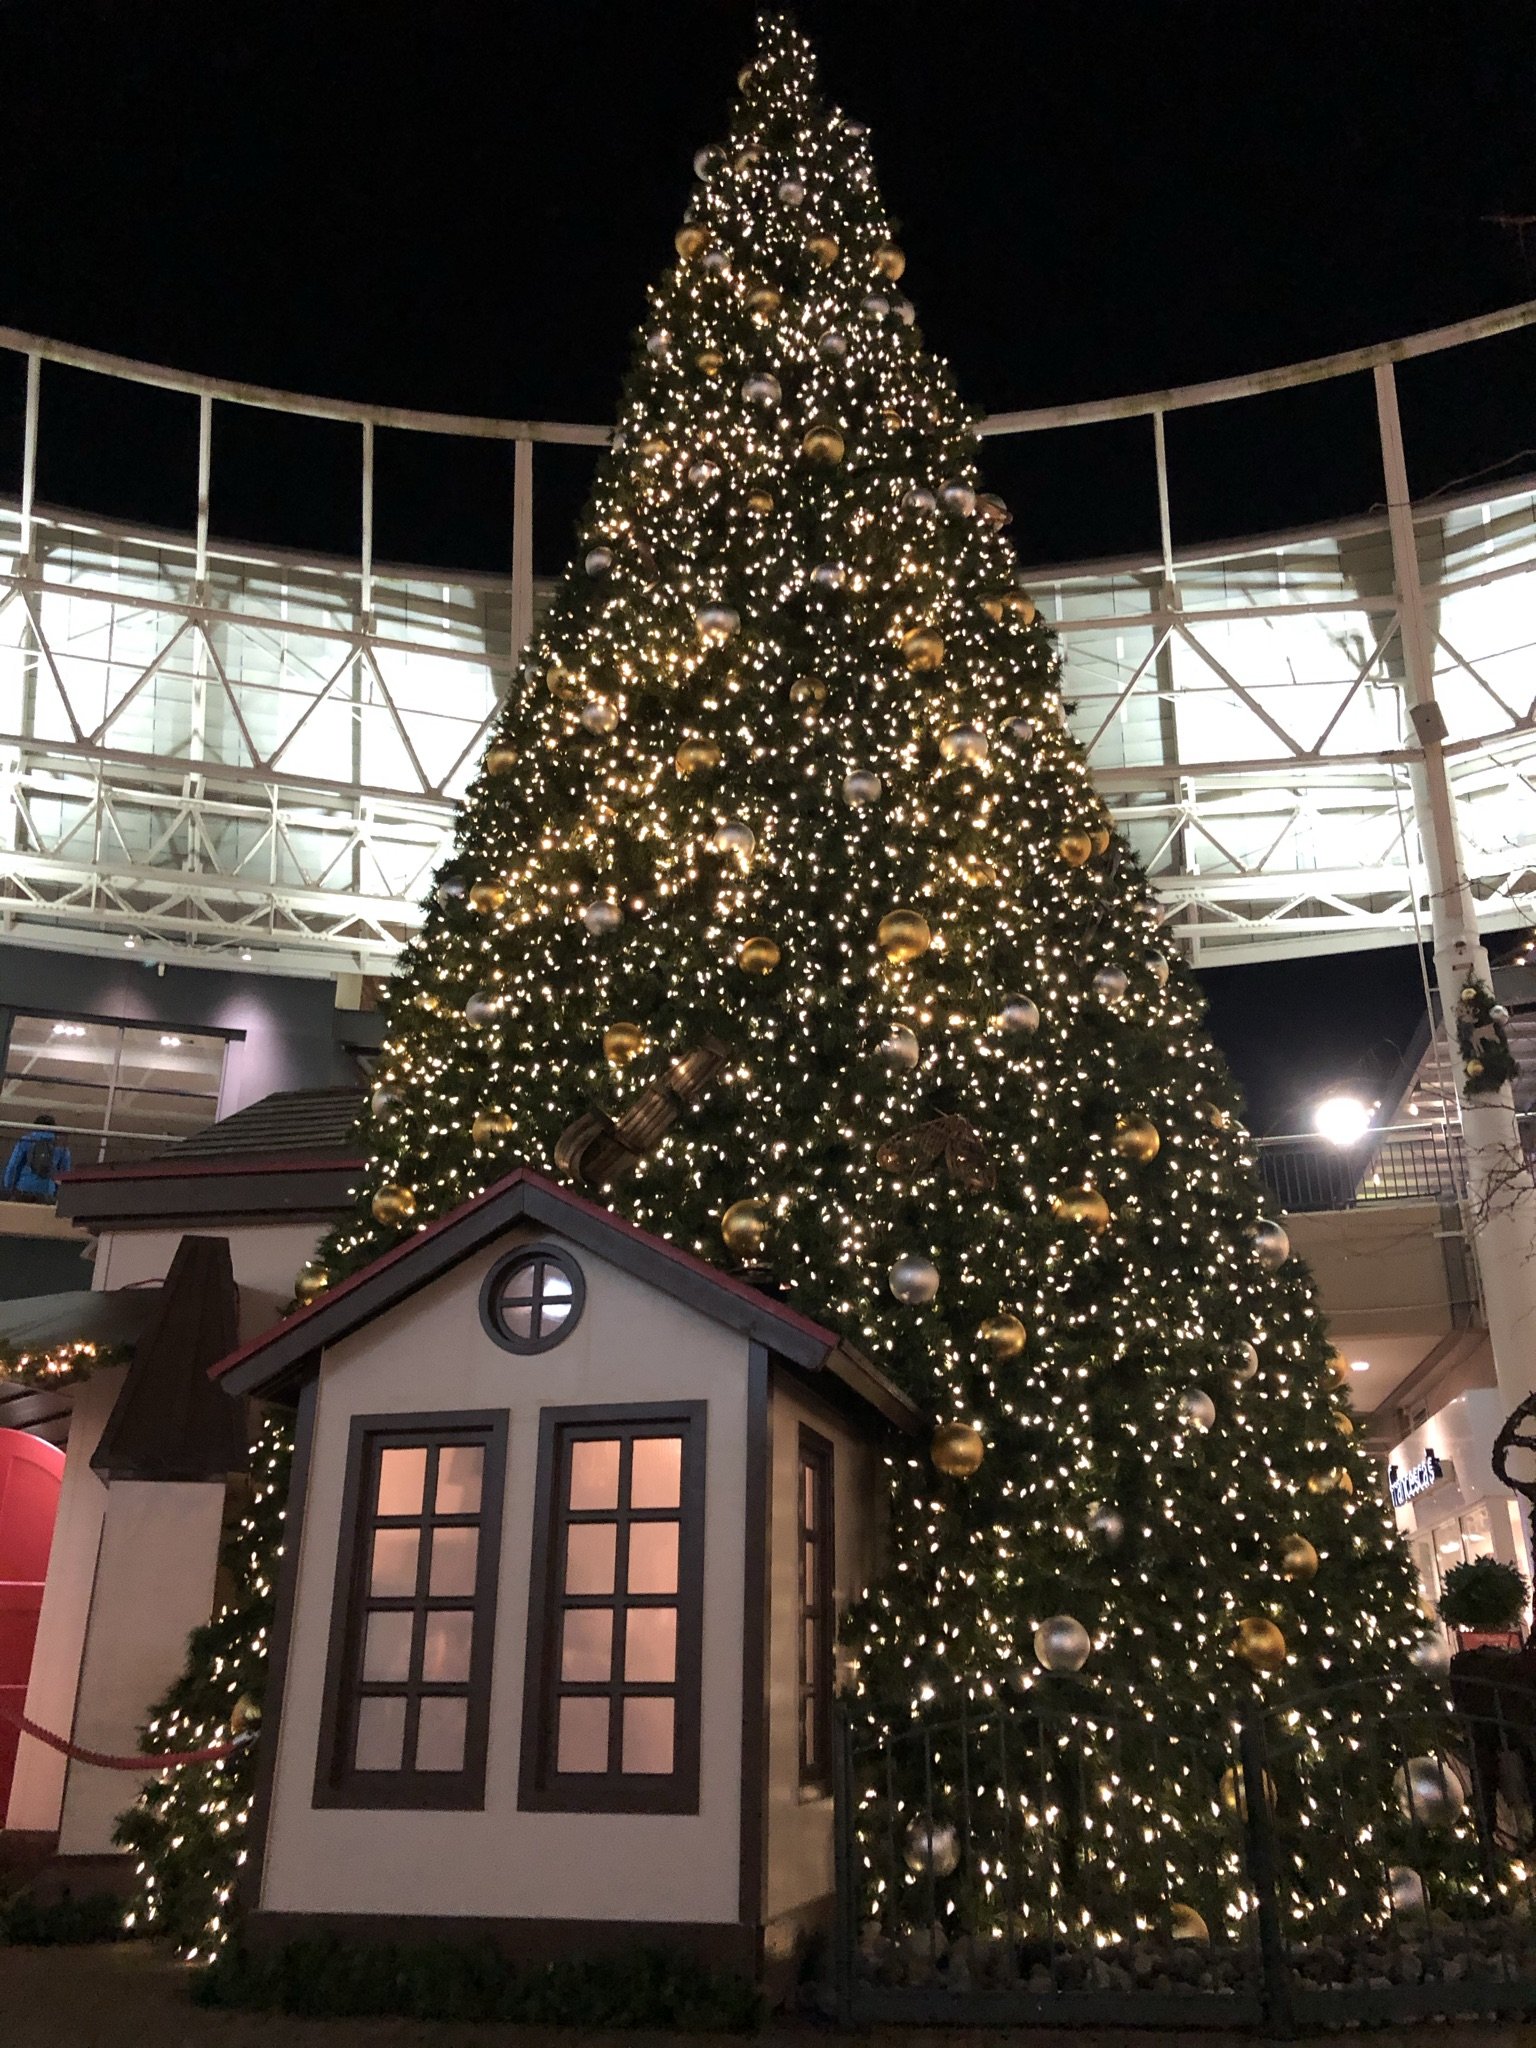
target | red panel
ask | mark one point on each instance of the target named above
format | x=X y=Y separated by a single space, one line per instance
x=31 y=1473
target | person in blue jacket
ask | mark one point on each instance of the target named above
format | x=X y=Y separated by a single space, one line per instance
x=36 y=1161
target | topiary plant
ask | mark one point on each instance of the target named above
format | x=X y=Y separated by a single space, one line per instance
x=1485 y=1594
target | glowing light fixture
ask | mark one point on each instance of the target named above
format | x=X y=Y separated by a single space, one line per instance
x=1341 y=1119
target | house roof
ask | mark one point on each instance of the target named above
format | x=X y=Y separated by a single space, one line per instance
x=291 y=1155
x=272 y=1362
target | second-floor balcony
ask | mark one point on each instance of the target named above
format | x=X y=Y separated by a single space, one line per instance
x=1407 y=1162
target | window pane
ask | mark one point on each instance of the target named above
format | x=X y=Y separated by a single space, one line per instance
x=808 y=1495
x=554 y=1300
x=808 y=1653
x=586 y=1653
x=518 y=1317
x=380 y=1734
x=583 y=1742
x=653 y=1557
x=656 y=1475
x=1476 y=1535
x=650 y=1645
x=589 y=1550
x=459 y=1468
x=454 y=1552
x=445 y=1648
x=402 y=1475
x=595 y=1475
x=394 y=1562
x=648 y=1737
x=387 y=1651
x=440 y=1735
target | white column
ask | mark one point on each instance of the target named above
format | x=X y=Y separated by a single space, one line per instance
x=1500 y=1207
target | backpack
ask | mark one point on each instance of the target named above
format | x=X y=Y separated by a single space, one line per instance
x=40 y=1157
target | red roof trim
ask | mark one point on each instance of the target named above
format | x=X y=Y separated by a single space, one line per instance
x=524 y=1175
x=230 y=1163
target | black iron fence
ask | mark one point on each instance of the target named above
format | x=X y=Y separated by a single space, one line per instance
x=1409 y=1162
x=1052 y=1861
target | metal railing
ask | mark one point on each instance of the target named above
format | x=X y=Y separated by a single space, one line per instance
x=1409 y=1162
x=1330 y=1859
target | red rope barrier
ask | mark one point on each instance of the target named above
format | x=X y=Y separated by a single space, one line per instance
x=167 y=1760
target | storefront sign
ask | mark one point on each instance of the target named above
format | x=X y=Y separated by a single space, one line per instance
x=1407 y=1486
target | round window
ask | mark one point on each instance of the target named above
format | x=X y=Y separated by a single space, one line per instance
x=532 y=1299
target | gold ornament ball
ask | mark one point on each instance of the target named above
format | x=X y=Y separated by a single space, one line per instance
x=500 y=759
x=690 y=240
x=1083 y=1205
x=1002 y=1337
x=923 y=649
x=824 y=249
x=1259 y=1643
x=1298 y=1558
x=1338 y=1365
x=758 y=956
x=1474 y=1070
x=1136 y=1138
x=903 y=935
x=1075 y=848
x=763 y=302
x=487 y=897
x=245 y=1714
x=823 y=443
x=1021 y=606
x=993 y=607
x=491 y=1123
x=1321 y=1482
x=1100 y=837
x=394 y=1204
x=710 y=361
x=1185 y=1924
x=1344 y=1424
x=745 y=1226
x=760 y=500
x=622 y=1041
x=697 y=757
x=890 y=260
x=957 y=1449
x=311 y=1283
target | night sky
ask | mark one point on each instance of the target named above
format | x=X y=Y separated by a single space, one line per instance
x=459 y=207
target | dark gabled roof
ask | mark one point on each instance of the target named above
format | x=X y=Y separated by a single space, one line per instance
x=288 y=1156
x=304 y=1123
x=170 y=1419
x=116 y=1315
x=272 y=1362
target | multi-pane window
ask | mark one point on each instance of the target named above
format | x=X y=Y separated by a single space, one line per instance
x=817 y=1615
x=532 y=1299
x=612 y=1704
x=408 y=1691
x=115 y=1091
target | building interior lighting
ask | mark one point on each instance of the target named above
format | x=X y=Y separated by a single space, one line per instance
x=1359 y=1365
x=1341 y=1119
x=169 y=1038
x=69 y=1031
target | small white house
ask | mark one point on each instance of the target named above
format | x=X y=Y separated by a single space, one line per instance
x=573 y=1516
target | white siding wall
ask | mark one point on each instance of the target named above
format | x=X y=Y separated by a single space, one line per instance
x=631 y=1344
x=799 y=1829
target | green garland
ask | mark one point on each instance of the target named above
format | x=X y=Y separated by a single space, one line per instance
x=58 y=1365
x=1487 y=1064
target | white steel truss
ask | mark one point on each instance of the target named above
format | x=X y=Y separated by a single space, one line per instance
x=232 y=754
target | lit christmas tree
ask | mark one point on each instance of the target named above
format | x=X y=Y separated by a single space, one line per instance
x=785 y=916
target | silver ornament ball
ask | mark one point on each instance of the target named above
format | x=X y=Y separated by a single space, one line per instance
x=1499 y=1014
x=931 y=1848
x=602 y=917
x=600 y=714
x=964 y=743
x=481 y=1008
x=716 y=623
x=900 y=1049
x=1431 y=1654
x=1021 y=729
x=1197 y=1407
x=833 y=345
x=702 y=472
x=762 y=389
x=451 y=891
x=957 y=496
x=1062 y=1643
x=829 y=576
x=861 y=786
x=383 y=1100
x=1271 y=1246
x=1106 y=1525
x=659 y=342
x=1429 y=1791
x=716 y=261
x=1157 y=966
x=1244 y=1361
x=599 y=561
x=1019 y=1017
x=919 y=499
x=734 y=837
x=876 y=305
x=904 y=310
x=1110 y=984
x=913 y=1279
x=1405 y=1890
x=792 y=192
